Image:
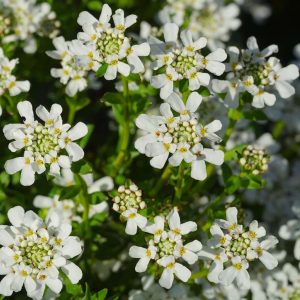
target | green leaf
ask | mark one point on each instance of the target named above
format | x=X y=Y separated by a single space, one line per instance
x=79 y=103
x=204 y=91
x=226 y=172
x=70 y=192
x=101 y=71
x=101 y=295
x=234 y=153
x=72 y=289
x=112 y=98
x=233 y=184
x=81 y=167
x=94 y=5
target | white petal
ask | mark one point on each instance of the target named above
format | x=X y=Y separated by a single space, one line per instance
x=16 y=215
x=291 y=72
x=285 y=89
x=268 y=260
x=193 y=102
x=228 y=275
x=231 y=215
x=86 y=17
x=75 y=151
x=78 y=131
x=137 y=252
x=71 y=247
x=217 y=55
x=14 y=165
x=54 y=285
x=215 y=157
x=243 y=280
x=131 y=227
x=142 y=264
x=166 y=279
x=27 y=176
x=198 y=170
x=215 y=67
x=182 y=272
x=73 y=272
x=171 y=32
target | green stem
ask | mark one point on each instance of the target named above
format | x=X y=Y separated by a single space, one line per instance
x=162 y=180
x=229 y=131
x=179 y=184
x=71 y=115
x=215 y=202
x=124 y=131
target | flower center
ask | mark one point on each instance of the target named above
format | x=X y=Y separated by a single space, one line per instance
x=109 y=43
x=43 y=141
x=238 y=246
x=185 y=132
x=34 y=251
x=183 y=63
x=165 y=247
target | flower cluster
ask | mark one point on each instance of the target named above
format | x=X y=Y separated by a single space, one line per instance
x=43 y=144
x=254 y=160
x=234 y=247
x=71 y=73
x=166 y=247
x=213 y=19
x=21 y=20
x=33 y=252
x=253 y=71
x=100 y=45
x=179 y=135
x=177 y=61
x=128 y=202
x=8 y=82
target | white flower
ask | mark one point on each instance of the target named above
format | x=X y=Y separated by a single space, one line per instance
x=251 y=70
x=182 y=61
x=134 y=221
x=166 y=248
x=179 y=136
x=144 y=255
x=230 y=223
x=24 y=20
x=215 y=157
x=176 y=228
x=8 y=82
x=188 y=252
x=33 y=251
x=260 y=251
x=157 y=229
x=233 y=250
x=42 y=144
x=237 y=271
x=170 y=268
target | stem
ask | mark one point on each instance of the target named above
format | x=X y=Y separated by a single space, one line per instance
x=229 y=131
x=180 y=184
x=162 y=180
x=124 y=131
x=216 y=201
x=71 y=115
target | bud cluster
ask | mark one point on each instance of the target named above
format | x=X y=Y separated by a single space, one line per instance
x=254 y=160
x=128 y=198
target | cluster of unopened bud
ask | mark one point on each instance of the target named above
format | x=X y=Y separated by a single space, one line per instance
x=128 y=197
x=109 y=43
x=238 y=246
x=254 y=160
x=185 y=132
x=43 y=141
x=36 y=253
x=183 y=63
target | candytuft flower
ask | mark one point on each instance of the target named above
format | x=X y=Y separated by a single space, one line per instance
x=232 y=249
x=250 y=70
x=33 y=251
x=179 y=136
x=166 y=248
x=50 y=143
x=184 y=60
